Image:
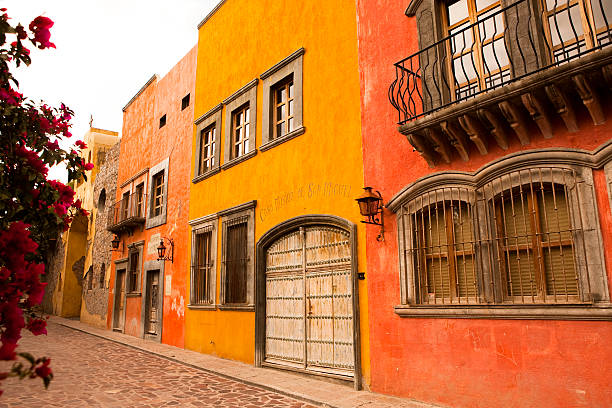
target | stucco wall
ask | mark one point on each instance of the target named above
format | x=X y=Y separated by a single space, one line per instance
x=318 y=172
x=464 y=362
x=95 y=301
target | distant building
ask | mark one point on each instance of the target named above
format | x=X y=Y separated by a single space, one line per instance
x=72 y=258
x=147 y=296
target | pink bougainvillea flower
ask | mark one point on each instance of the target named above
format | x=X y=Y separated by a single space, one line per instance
x=21 y=32
x=37 y=326
x=80 y=144
x=43 y=371
x=40 y=27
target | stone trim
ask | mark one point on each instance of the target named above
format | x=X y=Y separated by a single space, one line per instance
x=247 y=308
x=260 y=306
x=237 y=160
x=243 y=210
x=140 y=91
x=209 y=15
x=240 y=207
x=245 y=95
x=202 y=307
x=148 y=267
x=281 y=140
x=134 y=177
x=197 y=226
x=523 y=312
x=608 y=173
x=523 y=159
x=210 y=118
x=289 y=66
x=161 y=218
x=412 y=8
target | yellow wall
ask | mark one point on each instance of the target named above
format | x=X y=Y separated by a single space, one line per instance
x=239 y=42
x=76 y=248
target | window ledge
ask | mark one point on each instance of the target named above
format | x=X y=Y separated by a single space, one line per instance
x=522 y=312
x=202 y=307
x=244 y=308
x=133 y=294
x=206 y=175
x=237 y=160
x=280 y=140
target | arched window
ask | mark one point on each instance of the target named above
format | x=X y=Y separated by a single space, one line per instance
x=102 y=200
x=523 y=235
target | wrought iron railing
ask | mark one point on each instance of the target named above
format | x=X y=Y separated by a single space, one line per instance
x=504 y=46
x=131 y=207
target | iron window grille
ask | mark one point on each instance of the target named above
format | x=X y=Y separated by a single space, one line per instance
x=236 y=260
x=202 y=268
x=518 y=239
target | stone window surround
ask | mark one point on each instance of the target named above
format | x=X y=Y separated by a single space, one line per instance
x=583 y=162
x=245 y=209
x=147 y=267
x=246 y=94
x=161 y=218
x=211 y=117
x=199 y=224
x=291 y=65
x=119 y=264
x=139 y=248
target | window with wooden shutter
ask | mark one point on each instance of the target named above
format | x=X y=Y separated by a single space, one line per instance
x=517 y=238
x=236 y=262
x=202 y=268
x=444 y=252
x=536 y=244
x=134 y=272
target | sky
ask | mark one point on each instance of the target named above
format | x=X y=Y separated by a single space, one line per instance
x=106 y=50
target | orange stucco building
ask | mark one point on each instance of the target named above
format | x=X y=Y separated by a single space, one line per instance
x=147 y=296
x=493 y=286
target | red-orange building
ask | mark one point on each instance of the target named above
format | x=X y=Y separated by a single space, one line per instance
x=487 y=128
x=147 y=296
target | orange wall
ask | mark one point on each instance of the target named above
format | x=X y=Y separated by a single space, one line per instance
x=144 y=145
x=463 y=362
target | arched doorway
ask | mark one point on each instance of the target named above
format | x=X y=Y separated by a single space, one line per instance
x=307 y=304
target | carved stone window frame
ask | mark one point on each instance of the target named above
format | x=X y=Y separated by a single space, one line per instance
x=199 y=225
x=591 y=262
x=161 y=218
x=210 y=118
x=289 y=66
x=226 y=216
x=246 y=94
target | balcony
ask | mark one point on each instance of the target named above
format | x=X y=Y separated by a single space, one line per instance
x=515 y=73
x=127 y=213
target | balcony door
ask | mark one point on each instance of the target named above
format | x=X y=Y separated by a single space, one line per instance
x=479 y=59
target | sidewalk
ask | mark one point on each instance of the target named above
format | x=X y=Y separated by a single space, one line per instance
x=314 y=391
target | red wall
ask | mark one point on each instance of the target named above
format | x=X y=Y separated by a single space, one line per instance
x=464 y=362
x=143 y=145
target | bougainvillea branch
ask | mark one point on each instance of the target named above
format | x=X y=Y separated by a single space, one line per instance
x=33 y=209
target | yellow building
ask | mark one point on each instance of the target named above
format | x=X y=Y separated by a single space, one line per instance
x=73 y=254
x=276 y=243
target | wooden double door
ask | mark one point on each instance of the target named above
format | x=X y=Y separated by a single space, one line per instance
x=309 y=312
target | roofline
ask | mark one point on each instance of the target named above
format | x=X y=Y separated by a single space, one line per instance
x=209 y=15
x=149 y=82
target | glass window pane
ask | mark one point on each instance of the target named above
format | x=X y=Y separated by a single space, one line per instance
x=602 y=8
x=491 y=26
x=239 y=118
x=290 y=108
x=246 y=119
x=246 y=146
x=246 y=131
x=482 y=4
x=290 y=124
x=457 y=12
x=280 y=129
x=291 y=89
x=461 y=41
x=495 y=56
x=561 y=24
x=463 y=68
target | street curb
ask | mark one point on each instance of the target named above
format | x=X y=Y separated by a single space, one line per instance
x=209 y=371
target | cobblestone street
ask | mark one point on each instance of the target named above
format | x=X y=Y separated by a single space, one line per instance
x=94 y=372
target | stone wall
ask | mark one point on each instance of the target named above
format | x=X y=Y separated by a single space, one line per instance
x=96 y=299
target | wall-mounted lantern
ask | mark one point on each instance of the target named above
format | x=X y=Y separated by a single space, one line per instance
x=370 y=205
x=115 y=244
x=161 y=250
